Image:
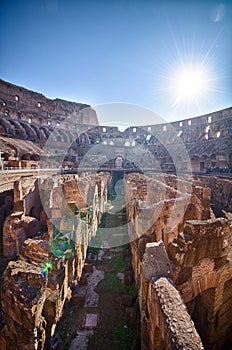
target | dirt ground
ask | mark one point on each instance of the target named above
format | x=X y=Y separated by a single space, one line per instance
x=112 y=331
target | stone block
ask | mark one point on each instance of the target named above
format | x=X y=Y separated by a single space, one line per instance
x=155 y=261
x=36 y=250
x=90 y=321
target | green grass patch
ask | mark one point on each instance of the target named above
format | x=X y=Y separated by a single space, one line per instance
x=123 y=335
x=94 y=250
x=112 y=283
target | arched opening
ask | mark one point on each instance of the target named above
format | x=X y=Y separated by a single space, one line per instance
x=26 y=156
x=111 y=138
x=213 y=160
x=5 y=156
x=195 y=163
x=119 y=140
x=203 y=163
x=35 y=213
x=83 y=139
x=230 y=160
x=35 y=157
x=104 y=139
x=97 y=138
x=202 y=313
x=119 y=162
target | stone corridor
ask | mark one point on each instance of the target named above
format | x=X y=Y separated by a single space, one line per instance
x=103 y=312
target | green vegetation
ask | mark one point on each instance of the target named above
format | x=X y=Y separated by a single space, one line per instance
x=114 y=333
x=68 y=343
x=123 y=336
x=111 y=283
x=63 y=334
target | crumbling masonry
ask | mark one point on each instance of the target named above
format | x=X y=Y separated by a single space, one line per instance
x=179 y=224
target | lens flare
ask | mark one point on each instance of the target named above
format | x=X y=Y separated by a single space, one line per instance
x=190 y=83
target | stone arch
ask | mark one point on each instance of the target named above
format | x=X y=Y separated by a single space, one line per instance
x=83 y=139
x=213 y=156
x=204 y=163
x=63 y=134
x=105 y=139
x=37 y=130
x=35 y=157
x=97 y=138
x=45 y=131
x=5 y=156
x=195 y=163
x=119 y=161
x=35 y=212
x=26 y=156
x=69 y=135
x=19 y=129
x=150 y=139
x=230 y=160
x=9 y=127
x=31 y=134
x=119 y=139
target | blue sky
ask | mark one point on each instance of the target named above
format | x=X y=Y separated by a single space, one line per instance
x=101 y=52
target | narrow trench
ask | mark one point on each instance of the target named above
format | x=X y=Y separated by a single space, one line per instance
x=103 y=312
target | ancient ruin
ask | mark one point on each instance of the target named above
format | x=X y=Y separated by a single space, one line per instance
x=163 y=193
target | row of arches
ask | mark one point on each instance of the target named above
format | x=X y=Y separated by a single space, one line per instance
x=211 y=162
x=39 y=134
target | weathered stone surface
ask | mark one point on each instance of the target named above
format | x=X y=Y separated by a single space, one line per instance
x=199 y=248
x=90 y=321
x=13 y=236
x=24 y=296
x=171 y=324
x=200 y=256
x=221 y=190
x=31 y=226
x=37 y=251
x=35 y=293
x=155 y=261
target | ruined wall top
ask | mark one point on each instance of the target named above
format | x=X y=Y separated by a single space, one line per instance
x=18 y=101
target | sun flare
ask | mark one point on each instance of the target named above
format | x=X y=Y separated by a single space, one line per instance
x=190 y=83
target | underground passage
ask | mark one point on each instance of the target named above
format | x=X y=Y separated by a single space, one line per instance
x=113 y=239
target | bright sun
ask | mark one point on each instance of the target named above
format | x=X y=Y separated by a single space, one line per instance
x=189 y=84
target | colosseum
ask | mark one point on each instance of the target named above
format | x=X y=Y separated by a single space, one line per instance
x=113 y=239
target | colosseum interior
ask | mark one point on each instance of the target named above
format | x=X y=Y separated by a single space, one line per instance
x=76 y=195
